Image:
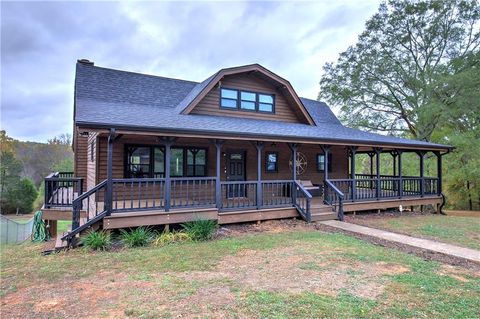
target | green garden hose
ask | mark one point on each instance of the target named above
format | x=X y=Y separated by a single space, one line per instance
x=39 y=231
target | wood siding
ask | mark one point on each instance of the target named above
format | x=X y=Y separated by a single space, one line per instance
x=92 y=160
x=80 y=157
x=284 y=111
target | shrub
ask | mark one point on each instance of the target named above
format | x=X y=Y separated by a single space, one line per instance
x=97 y=240
x=167 y=238
x=141 y=236
x=201 y=229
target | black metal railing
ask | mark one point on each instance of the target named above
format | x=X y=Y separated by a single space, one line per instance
x=386 y=187
x=138 y=194
x=238 y=194
x=277 y=193
x=192 y=192
x=61 y=189
x=334 y=197
x=302 y=201
x=92 y=203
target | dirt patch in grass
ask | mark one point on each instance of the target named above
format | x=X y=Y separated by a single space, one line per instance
x=294 y=270
x=268 y=226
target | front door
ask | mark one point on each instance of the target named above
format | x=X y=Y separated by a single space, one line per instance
x=236 y=173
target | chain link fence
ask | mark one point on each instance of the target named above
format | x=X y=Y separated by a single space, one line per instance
x=12 y=232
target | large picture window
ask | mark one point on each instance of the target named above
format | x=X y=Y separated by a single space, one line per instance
x=321 y=162
x=247 y=101
x=149 y=161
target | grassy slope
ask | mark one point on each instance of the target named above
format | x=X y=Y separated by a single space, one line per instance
x=146 y=282
x=464 y=231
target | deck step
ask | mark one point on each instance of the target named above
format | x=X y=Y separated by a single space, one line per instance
x=324 y=216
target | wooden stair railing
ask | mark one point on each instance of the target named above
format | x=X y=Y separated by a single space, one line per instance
x=334 y=197
x=89 y=202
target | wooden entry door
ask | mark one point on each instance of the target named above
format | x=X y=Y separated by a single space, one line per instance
x=236 y=173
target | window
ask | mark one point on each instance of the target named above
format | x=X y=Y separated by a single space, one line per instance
x=176 y=162
x=149 y=161
x=247 y=101
x=196 y=162
x=321 y=162
x=271 y=162
x=138 y=162
x=265 y=103
x=229 y=98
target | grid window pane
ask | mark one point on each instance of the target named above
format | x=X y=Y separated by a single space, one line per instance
x=248 y=96
x=229 y=103
x=247 y=105
x=229 y=94
x=264 y=98
x=265 y=107
x=272 y=162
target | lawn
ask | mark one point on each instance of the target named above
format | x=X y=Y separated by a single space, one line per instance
x=284 y=274
x=458 y=230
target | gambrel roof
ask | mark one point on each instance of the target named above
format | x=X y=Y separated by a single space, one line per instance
x=108 y=98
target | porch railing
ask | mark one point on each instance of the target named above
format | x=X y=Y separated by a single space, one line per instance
x=138 y=194
x=277 y=193
x=334 y=197
x=238 y=194
x=302 y=201
x=61 y=189
x=192 y=192
x=386 y=187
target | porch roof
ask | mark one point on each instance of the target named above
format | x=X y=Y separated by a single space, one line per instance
x=106 y=98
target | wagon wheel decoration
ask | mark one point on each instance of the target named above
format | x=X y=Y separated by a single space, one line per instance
x=301 y=163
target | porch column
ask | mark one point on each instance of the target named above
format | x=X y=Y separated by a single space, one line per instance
x=371 y=155
x=326 y=152
x=167 y=142
x=439 y=172
x=353 y=151
x=259 y=147
x=400 y=176
x=421 y=154
x=293 y=147
x=378 y=151
x=394 y=157
x=218 y=186
x=109 y=193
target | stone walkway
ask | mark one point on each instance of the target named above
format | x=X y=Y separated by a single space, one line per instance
x=447 y=249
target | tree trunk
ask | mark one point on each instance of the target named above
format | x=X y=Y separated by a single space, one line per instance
x=470 y=204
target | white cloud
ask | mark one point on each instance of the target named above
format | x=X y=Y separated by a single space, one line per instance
x=41 y=42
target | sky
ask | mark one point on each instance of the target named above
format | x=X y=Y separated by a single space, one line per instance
x=41 y=42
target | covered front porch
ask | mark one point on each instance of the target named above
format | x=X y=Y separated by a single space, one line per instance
x=152 y=179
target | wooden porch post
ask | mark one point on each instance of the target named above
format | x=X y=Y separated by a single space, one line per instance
x=218 y=186
x=167 y=142
x=400 y=176
x=109 y=194
x=421 y=154
x=439 y=172
x=259 y=147
x=326 y=151
x=293 y=147
x=353 y=151
x=378 y=151
x=371 y=155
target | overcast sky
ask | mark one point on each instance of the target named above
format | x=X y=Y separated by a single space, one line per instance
x=41 y=41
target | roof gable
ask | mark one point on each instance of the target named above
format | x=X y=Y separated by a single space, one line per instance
x=203 y=88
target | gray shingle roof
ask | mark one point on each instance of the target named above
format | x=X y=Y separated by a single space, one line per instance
x=113 y=98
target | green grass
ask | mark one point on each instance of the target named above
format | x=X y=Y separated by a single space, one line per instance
x=464 y=231
x=63 y=225
x=195 y=279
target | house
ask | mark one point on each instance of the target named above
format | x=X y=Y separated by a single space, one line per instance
x=239 y=146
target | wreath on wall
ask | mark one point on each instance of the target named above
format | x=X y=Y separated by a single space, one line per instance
x=301 y=163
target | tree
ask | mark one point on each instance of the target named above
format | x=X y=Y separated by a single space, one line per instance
x=10 y=175
x=415 y=73
x=20 y=197
x=390 y=80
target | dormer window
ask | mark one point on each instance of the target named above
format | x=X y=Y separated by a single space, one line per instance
x=247 y=101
